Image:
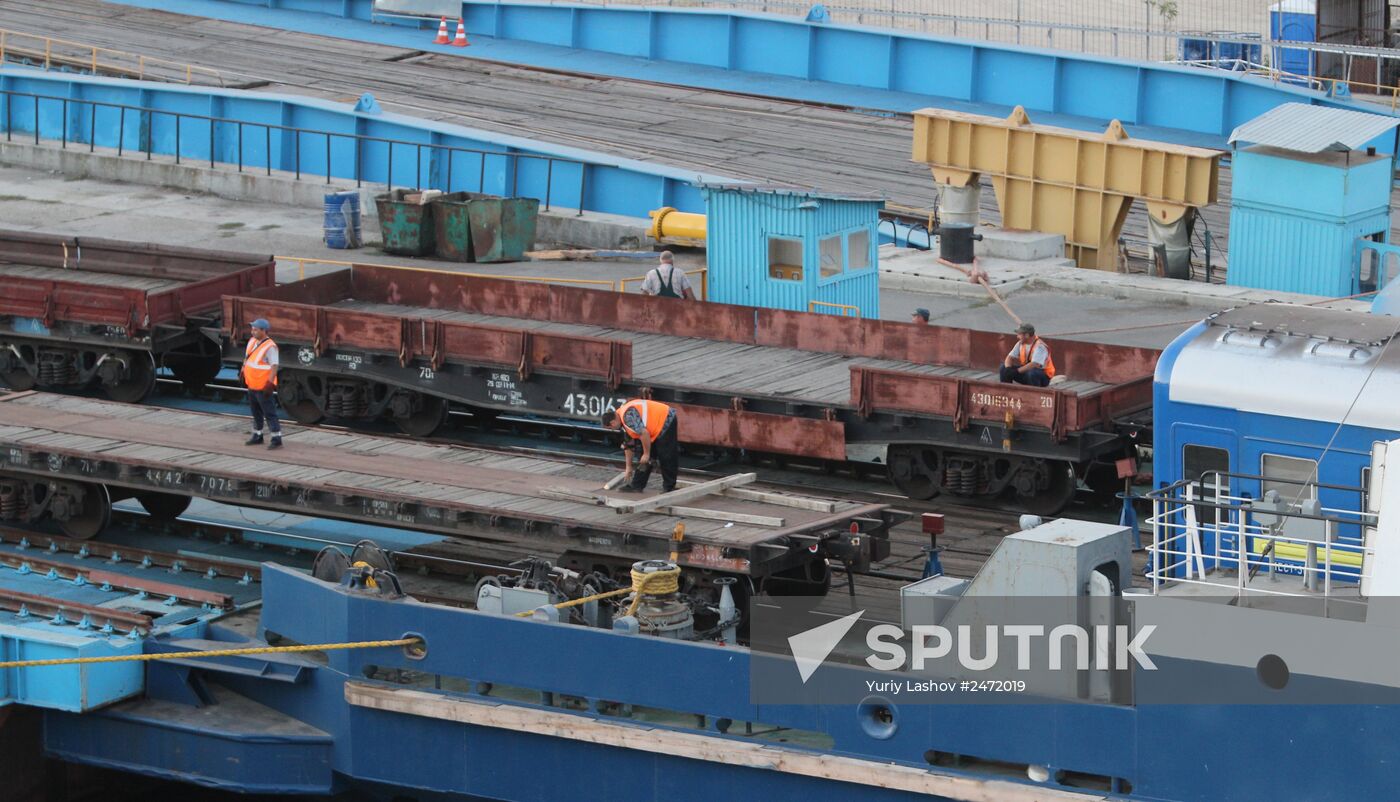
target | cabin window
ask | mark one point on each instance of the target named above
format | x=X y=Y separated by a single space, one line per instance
x=858 y=250
x=1293 y=477
x=830 y=252
x=1199 y=460
x=785 y=258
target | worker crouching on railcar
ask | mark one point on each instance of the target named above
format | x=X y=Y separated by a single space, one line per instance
x=650 y=433
x=1029 y=361
x=260 y=375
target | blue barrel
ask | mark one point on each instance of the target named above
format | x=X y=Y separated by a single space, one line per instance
x=342 y=220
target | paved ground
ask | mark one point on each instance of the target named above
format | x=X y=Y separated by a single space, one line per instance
x=39 y=201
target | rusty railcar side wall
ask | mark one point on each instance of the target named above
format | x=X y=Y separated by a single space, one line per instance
x=204 y=276
x=434 y=341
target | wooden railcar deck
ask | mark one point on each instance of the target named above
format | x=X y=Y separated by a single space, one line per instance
x=819 y=378
x=330 y=462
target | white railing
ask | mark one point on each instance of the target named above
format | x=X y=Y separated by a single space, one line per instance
x=1202 y=535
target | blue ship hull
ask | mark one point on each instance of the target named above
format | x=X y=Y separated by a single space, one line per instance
x=453 y=729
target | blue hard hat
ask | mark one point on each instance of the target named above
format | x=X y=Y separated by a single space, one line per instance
x=260 y=323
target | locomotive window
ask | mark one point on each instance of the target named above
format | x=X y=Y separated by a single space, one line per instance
x=1287 y=475
x=1197 y=460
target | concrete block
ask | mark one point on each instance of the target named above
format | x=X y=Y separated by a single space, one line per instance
x=1020 y=246
x=557 y=226
x=608 y=232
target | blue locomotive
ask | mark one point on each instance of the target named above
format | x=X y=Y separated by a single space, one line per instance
x=1277 y=403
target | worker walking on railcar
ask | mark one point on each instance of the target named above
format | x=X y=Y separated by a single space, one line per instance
x=650 y=435
x=260 y=375
x=1029 y=361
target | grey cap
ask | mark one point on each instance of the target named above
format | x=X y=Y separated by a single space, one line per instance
x=921 y=312
x=1025 y=328
x=260 y=323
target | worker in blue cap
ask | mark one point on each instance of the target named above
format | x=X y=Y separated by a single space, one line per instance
x=260 y=375
x=920 y=317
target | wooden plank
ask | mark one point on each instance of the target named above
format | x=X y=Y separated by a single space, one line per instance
x=780 y=499
x=762 y=756
x=721 y=515
x=682 y=494
x=570 y=494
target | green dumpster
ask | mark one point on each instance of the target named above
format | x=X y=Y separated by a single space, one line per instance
x=407 y=228
x=452 y=224
x=503 y=229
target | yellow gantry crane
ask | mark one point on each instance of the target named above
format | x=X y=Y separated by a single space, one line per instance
x=1063 y=181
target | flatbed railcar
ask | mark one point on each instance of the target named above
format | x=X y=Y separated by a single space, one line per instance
x=66 y=459
x=922 y=402
x=80 y=312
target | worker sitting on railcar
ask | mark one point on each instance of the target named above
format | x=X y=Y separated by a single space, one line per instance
x=1029 y=361
x=650 y=434
x=260 y=375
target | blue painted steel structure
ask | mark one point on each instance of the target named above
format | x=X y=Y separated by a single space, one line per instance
x=471 y=654
x=313 y=138
x=893 y=66
x=788 y=248
x=1295 y=218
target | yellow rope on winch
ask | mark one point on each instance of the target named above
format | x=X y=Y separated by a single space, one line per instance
x=133 y=658
x=657 y=583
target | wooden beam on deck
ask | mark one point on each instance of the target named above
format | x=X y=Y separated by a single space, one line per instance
x=682 y=494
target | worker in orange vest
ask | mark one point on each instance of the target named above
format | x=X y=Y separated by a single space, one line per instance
x=1029 y=361
x=650 y=430
x=260 y=375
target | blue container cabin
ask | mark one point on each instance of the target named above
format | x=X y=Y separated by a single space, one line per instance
x=1294 y=394
x=795 y=249
x=1304 y=194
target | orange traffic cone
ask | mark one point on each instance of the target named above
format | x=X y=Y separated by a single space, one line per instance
x=461 y=40
x=442 y=37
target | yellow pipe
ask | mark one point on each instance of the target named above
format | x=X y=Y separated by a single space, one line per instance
x=668 y=224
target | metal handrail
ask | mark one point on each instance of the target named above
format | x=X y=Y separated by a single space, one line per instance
x=842 y=308
x=359 y=140
x=93 y=59
x=1245 y=545
x=703 y=274
x=970 y=26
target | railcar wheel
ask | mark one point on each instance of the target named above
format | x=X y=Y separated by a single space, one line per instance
x=431 y=414
x=1058 y=493
x=140 y=379
x=84 y=514
x=18 y=380
x=913 y=470
x=163 y=506
x=297 y=400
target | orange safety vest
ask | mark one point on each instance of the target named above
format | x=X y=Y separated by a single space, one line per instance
x=257 y=373
x=1024 y=355
x=653 y=414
